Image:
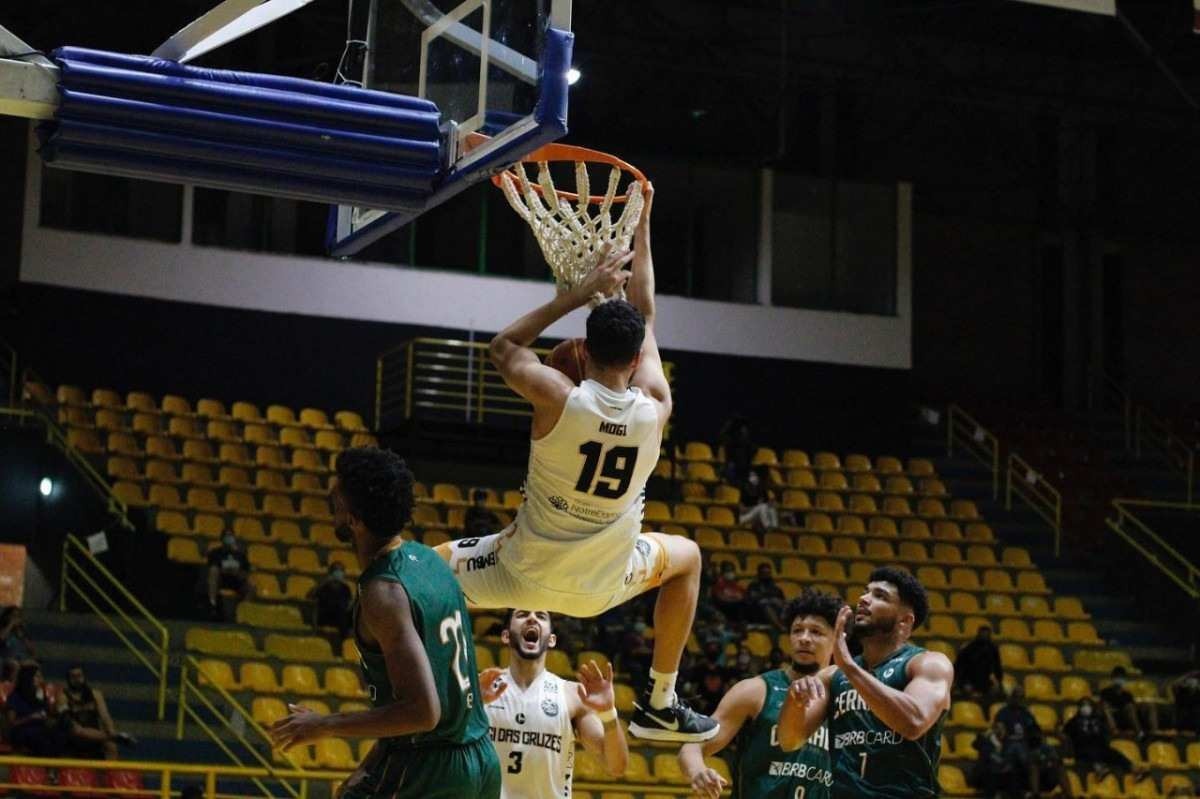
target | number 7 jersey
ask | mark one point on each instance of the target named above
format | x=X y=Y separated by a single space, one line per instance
x=584 y=491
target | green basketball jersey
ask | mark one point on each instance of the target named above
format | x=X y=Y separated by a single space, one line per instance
x=440 y=614
x=871 y=761
x=762 y=770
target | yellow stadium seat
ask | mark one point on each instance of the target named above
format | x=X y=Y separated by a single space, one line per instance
x=304 y=559
x=230 y=643
x=795 y=458
x=589 y=768
x=266 y=710
x=1072 y=688
x=1014 y=656
x=122 y=469
x=208 y=525
x=110 y=420
x=286 y=532
x=818 y=523
x=1193 y=753
x=964 y=509
x=896 y=506
x=350 y=650
x=685 y=513
x=1015 y=630
x=298 y=586
x=172 y=522
x=794 y=569
x=264 y=556
x=861 y=503
x=1172 y=782
x=666 y=769
x=743 y=539
x=778 y=541
x=322 y=535
x=964 y=579
x=932 y=577
x=915 y=529
x=702 y=472
x=1069 y=607
x=879 y=550
x=1139 y=787
x=558 y=662
x=129 y=493
x=1048 y=630
x=308 y=460
x=334 y=753
x=811 y=545
x=947 y=553
x=913 y=551
x=801 y=478
x=765 y=456
x=329 y=441
x=147 y=424
x=952 y=780
x=726 y=495
x=260 y=678
x=279 y=505
x=697 y=451
x=882 y=526
x=1031 y=582
x=1107 y=788
x=978 y=532
x=198 y=474
x=266 y=586
x=219 y=430
x=70 y=395
x=1048 y=658
x=852 y=525
x=708 y=538
x=886 y=464
x=1045 y=715
x=280 y=415
x=349 y=420
x=295 y=437
x=759 y=643
x=483 y=657
x=945 y=530
x=1083 y=632
x=125 y=444
x=866 y=482
x=1016 y=556
x=1164 y=755
x=944 y=626
x=184 y=550
x=1130 y=749
x=299 y=679
x=273 y=616
x=830 y=570
x=718 y=515
x=859 y=574
x=827 y=460
x=76 y=418
x=1101 y=661
x=845 y=547
x=1034 y=606
x=265 y=456
x=295 y=647
x=694 y=492
x=1039 y=687
x=830 y=502
x=234 y=477
x=218 y=672
x=933 y=487
x=834 y=481
x=315 y=418
x=249 y=529
x=898 y=485
x=979 y=555
x=930 y=507
x=998 y=580
x=201 y=451
x=967 y=714
x=211 y=408
x=795 y=499
x=183 y=427
x=166 y=496
x=963 y=602
x=141 y=401
x=269 y=480
x=1000 y=605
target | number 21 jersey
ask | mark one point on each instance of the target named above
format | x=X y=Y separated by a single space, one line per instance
x=584 y=491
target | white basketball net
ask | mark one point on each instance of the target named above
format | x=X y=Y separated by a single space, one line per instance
x=572 y=239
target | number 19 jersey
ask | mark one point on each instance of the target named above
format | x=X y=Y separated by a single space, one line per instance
x=533 y=736
x=584 y=491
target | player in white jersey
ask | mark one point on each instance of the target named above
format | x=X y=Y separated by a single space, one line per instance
x=536 y=716
x=576 y=546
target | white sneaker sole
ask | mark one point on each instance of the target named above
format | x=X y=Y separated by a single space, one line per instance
x=659 y=734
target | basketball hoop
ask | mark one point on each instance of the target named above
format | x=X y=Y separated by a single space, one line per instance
x=575 y=229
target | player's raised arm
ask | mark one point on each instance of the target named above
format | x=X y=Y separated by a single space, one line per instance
x=386 y=614
x=911 y=712
x=804 y=710
x=519 y=365
x=649 y=376
x=595 y=718
x=743 y=702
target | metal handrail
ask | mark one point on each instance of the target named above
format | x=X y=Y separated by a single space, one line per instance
x=1151 y=428
x=976 y=440
x=1045 y=500
x=154 y=642
x=1152 y=546
x=189 y=688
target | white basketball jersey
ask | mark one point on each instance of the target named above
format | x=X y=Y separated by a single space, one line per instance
x=584 y=491
x=534 y=739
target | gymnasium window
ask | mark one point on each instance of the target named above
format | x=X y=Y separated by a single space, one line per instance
x=88 y=203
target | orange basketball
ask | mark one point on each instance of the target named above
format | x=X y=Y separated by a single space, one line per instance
x=568 y=358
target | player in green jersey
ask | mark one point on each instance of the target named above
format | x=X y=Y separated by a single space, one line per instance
x=418 y=656
x=749 y=717
x=884 y=708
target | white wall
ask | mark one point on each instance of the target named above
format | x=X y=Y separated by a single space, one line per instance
x=385 y=293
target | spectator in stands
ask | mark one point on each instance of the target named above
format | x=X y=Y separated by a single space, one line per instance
x=333 y=599
x=739 y=450
x=764 y=598
x=14 y=643
x=1121 y=708
x=978 y=672
x=992 y=773
x=1090 y=734
x=479 y=521
x=36 y=726
x=757 y=507
x=1186 y=692
x=86 y=708
x=729 y=595
x=1049 y=771
x=1021 y=736
x=228 y=568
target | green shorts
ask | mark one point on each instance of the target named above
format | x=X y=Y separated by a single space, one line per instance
x=470 y=771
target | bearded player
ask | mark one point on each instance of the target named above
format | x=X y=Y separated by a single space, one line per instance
x=749 y=717
x=576 y=546
x=884 y=708
x=536 y=716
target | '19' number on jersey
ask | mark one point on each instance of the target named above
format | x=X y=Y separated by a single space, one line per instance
x=451 y=631
x=615 y=475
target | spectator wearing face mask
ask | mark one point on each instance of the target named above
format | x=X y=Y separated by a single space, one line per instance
x=1121 y=707
x=85 y=706
x=1090 y=734
x=333 y=599
x=758 y=504
x=228 y=569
